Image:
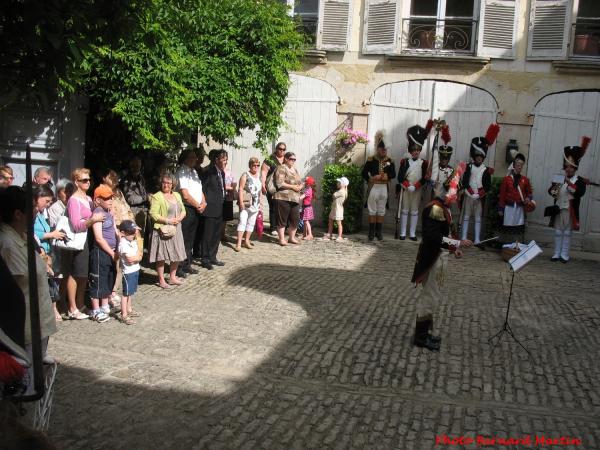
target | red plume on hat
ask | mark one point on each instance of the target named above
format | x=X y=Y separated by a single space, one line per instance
x=492 y=133
x=585 y=141
x=446 y=134
x=429 y=126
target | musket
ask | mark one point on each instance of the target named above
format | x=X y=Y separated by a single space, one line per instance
x=588 y=182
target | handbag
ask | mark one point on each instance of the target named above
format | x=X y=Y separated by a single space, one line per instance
x=271 y=187
x=167 y=231
x=247 y=199
x=259 y=225
x=74 y=241
x=551 y=211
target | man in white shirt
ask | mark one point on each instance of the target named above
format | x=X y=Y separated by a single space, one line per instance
x=194 y=201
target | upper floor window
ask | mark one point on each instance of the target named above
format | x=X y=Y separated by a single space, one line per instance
x=586 y=29
x=441 y=26
x=306 y=15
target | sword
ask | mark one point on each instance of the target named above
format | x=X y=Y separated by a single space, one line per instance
x=398 y=214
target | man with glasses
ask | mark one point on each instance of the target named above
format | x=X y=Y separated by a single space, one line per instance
x=213 y=183
x=268 y=168
x=194 y=201
x=6 y=176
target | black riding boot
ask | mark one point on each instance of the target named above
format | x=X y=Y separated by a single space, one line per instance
x=422 y=337
x=371 y=231
x=379 y=231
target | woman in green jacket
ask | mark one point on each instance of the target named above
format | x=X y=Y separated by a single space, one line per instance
x=167 y=212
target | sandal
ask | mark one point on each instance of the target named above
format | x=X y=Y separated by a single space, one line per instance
x=248 y=246
x=164 y=286
x=126 y=320
x=237 y=249
x=134 y=313
x=175 y=282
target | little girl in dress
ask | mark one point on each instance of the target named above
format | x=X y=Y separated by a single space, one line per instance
x=308 y=212
x=337 y=208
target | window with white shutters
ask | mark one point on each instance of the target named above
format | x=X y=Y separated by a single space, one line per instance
x=497 y=29
x=549 y=29
x=381 y=26
x=334 y=24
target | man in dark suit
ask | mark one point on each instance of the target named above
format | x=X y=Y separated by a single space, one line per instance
x=213 y=184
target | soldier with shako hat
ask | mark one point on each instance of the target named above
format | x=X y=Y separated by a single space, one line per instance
x=477 y=182
x=411 y=177
x=432 y=258
x=567 y=196
x=444 y=154
x=378 y=170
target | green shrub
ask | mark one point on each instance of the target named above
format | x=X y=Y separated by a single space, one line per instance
x=353 y=207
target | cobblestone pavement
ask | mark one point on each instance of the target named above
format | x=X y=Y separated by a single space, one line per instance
x=309 y=347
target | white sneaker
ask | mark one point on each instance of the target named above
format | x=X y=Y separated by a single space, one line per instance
x=77 y=315
x=99 y=316
x=105 y=309
x=273 y=233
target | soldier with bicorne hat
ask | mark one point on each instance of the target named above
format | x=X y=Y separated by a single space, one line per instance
x=411 y=177
x=477 y=181
x=432 y=258
x=377 y=172
x=567 y=196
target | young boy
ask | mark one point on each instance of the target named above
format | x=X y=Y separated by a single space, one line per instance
x=130 y=257
x=103 y=255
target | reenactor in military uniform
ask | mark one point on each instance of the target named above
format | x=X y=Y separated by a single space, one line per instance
x=432 y=259
x=377 y=172
x=444 y=168
x=411 y=177
x=477 y=182
x=567 y=196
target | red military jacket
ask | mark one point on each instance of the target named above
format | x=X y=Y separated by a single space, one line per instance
x=509 y=193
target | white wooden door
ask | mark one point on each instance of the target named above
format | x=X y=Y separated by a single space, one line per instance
x=56 y=139
x=397 y=106
x=561 y=120
x=310 y=116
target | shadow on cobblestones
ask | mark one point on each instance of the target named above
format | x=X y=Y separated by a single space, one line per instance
x=336 y=368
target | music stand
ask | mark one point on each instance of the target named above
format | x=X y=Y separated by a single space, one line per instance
x=516 y=263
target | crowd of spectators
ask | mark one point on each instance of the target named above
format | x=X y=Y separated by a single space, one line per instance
x=91 y=235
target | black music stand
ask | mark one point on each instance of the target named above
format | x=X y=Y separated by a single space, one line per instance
x=516 y=263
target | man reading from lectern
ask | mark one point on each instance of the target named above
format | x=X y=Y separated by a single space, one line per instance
x=432 y=258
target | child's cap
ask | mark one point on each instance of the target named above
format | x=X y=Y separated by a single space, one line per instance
x=310 y=181
x=128 y=227
x=103 y=191
x=343 y=181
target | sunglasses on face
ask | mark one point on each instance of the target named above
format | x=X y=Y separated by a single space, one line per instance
x=281 y=149
x=291 y=159
x=85 y=180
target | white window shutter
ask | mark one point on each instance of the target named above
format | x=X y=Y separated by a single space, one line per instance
x=334 y=24
x=498 y=28
x=549 y=28
x=382 y=21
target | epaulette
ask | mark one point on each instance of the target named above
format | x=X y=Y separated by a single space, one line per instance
x=437 y=213
x=370 y=158
x=387 y=159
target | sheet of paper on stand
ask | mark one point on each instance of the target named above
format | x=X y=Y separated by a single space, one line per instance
x=525 y=256
x=515 y=245
x=450 y=241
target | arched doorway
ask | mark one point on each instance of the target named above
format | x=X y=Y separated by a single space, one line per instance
x=395 y=107
x=561 y=119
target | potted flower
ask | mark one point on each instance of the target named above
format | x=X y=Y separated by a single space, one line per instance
x=347 y=138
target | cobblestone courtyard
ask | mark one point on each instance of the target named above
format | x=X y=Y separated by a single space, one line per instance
x=309 y=347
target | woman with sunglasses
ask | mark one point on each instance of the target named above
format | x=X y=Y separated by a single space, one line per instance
x=75 y=264
x=286 y=201
x=267 y=170
x=249 y=196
